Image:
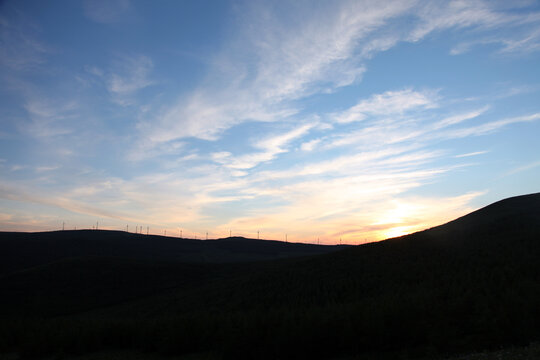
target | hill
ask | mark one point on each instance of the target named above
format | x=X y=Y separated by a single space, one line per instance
x=19 y=251
x=468 y=285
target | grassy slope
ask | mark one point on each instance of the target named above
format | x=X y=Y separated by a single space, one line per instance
x=471 y=284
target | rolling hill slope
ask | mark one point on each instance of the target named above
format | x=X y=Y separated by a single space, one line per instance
x=22 y=250
x=470 y=284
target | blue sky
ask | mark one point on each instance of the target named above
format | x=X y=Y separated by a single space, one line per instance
x=324 y=120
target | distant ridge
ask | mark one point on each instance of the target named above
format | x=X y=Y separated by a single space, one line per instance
x=21 y=250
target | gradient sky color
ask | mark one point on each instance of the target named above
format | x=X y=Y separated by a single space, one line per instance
x=357 y=120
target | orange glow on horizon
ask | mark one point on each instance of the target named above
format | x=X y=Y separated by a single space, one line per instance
x=396 y=232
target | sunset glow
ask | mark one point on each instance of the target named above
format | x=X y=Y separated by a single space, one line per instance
x=395 y=232
x=351 y=120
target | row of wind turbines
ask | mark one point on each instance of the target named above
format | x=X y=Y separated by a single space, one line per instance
x=139 y=230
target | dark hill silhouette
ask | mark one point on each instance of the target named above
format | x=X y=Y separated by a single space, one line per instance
x=504 y=220
x=468 y=285
x=22 y=250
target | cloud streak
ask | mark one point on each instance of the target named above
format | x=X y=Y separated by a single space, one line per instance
x=388 y=103
x=49 y=118
x=270 y=147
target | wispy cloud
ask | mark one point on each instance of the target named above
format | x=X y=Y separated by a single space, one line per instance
x=437 y=16
x=396 y=117
x=388 y=103
x=48 y=118
x=134 y=76
x=485 y=16
x=529 y=42
x=21 y=193
x=476 y=153
x=457 y=119
x=41 y=169
x=519 y=169
x=488 y=127
x=270 y=147
x=127 y=75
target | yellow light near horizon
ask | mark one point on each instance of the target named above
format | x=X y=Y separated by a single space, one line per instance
x=398 y=213
x=395 y=232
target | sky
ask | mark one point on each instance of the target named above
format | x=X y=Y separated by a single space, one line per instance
x=319 y=121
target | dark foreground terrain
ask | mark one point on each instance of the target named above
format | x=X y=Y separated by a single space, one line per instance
x=468 y=286
x=24 y=250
